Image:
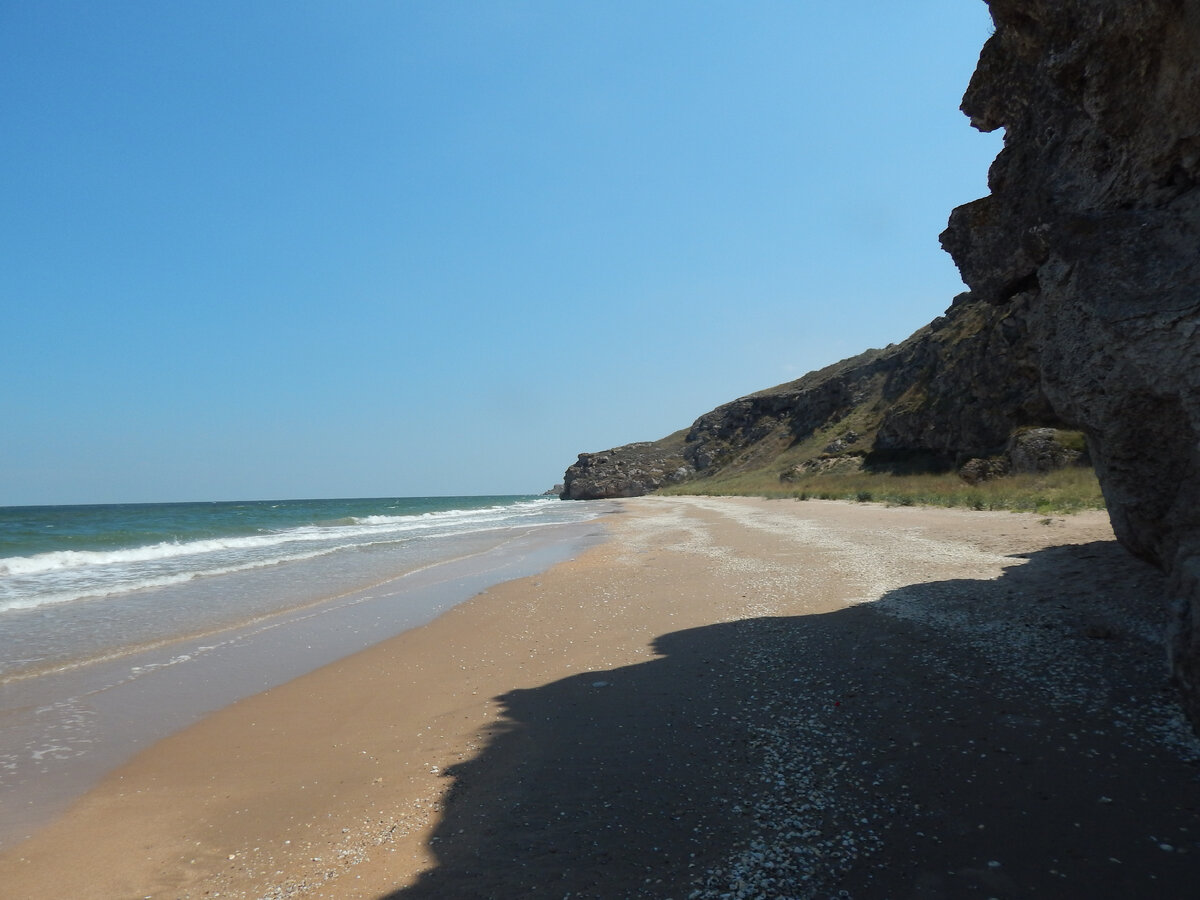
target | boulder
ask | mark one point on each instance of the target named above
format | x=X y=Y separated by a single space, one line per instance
x=975 y=471
x=1040 y=450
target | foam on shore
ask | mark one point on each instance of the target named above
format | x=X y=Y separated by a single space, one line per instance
x=74 y=715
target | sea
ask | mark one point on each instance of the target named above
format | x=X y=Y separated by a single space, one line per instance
x=121 y=624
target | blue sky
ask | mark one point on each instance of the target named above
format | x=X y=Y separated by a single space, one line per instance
x=317 y=249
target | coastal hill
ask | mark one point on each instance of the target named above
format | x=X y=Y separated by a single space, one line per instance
x=960 y=392
x=1083 y=265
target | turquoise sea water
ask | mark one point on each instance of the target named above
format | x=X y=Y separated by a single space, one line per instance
x=55 y=554
x=86 y=582
x=120 y=624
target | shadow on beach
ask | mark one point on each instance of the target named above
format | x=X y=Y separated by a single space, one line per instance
x=958 y=738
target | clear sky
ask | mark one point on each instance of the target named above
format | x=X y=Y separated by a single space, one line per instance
x=258 y=250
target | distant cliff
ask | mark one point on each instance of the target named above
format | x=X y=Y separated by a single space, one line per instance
x=956 y=390
x=1084 y=305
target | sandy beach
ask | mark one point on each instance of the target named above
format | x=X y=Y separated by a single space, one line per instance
x=727 y=697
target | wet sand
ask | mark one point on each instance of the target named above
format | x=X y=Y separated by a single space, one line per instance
x=77 y=716
x=728 y=697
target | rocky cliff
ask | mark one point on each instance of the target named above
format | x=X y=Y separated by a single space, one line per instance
x=627 y=471
x=956 y=390
x=1093 y=227
x=1084 y=307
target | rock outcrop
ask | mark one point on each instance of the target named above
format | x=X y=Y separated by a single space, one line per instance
x=956 y=389
x=1092 y=228
x=1029 y=451
x=1041 y=450
x=628 y=471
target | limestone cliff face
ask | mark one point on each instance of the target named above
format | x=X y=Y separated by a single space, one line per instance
x=1093 y=228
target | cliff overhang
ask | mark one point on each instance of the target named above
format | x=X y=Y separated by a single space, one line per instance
x=1093 y=226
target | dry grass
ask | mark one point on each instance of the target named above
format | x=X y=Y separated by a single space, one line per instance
x=1064 y=491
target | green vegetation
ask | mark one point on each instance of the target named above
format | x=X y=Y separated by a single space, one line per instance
x=1064 y=491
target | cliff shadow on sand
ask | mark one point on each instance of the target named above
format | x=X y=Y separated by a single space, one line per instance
x=1082 y=314
x=1003 y=736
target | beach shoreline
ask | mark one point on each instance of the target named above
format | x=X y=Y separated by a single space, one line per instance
x=725 y=692
x=63 y=728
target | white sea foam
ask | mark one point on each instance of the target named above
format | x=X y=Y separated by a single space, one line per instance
x=112 y=582
x=43 y=579
x=489 y=513
x=367 y=526
x=77 y=559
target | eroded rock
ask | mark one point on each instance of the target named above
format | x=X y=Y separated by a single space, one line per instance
x=628 y=471
x=1093 y=227
x=1040 y=450
x=976 y=471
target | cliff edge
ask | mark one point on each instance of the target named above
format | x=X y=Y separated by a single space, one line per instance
x=1093 y=226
